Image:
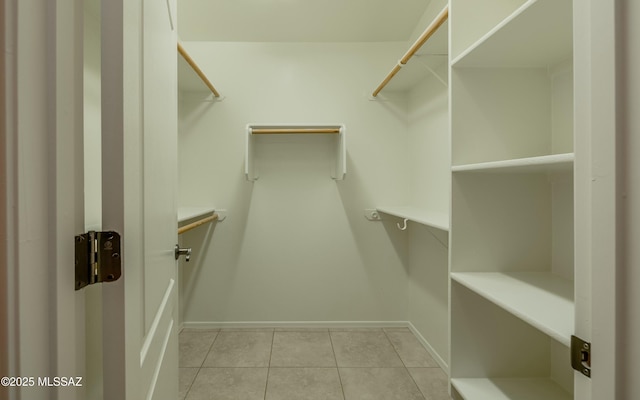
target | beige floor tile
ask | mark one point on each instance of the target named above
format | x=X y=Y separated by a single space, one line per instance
x=432 y=382
x=194 y=347
x=304 y=384
x=240 y=349
x=364 y=349
x=411 y=351
x=185 y=379
x=229 y=384
x=302 y=349
x=378 y=384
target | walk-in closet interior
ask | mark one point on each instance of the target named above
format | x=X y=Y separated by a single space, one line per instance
x=318 y=190
x=307 y=231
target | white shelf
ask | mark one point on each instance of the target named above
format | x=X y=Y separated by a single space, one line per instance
x=340 y=143
x=538 y=34
x=434 y=219
x=510 y=389
x=541 y=299
x=188 y=213
x=551 y=163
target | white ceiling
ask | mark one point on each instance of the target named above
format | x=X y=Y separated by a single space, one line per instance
x=299 y=20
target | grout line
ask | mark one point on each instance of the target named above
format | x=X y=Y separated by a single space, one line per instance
x=337 y=367
x=266 y=384
x=209 y=351
x=394 y=349
x=186 y=394
x=405 y=365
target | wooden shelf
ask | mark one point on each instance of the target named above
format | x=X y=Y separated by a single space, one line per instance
x=188 y=213
x=541 y=299
x=415 y=214
x=339 y=131
x=551 y=163
x=509 y=389
x=521 y=40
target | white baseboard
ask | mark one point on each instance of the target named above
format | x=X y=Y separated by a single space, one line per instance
x=430 y=349
x=295 y=324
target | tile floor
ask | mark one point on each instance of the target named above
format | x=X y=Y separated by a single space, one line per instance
x=307 y=364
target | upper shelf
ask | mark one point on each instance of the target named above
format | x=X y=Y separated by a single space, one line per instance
x=538 y=34
x=190 y=77
x=550 y=163
x=415 y=214
x=337 y=130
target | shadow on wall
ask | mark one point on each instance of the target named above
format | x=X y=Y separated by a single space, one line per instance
x=355 y=200
x=189 y=272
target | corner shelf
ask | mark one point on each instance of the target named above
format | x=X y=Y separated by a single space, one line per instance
x=550 y=163
x=510 y=389
x=337 y=130
x=421 y=216
x=515 y=291
x=521 y=41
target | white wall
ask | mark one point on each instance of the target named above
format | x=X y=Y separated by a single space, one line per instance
x=430 y=176
x=295 y=245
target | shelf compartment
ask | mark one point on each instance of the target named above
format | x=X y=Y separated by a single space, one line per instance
x=538 y=34
x=550 y=163
x=339 y=131
x=529 y=296
x=509 y=389
x=421 y=216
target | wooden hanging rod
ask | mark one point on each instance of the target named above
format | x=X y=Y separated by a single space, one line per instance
x=197 y=223
x=293 y=130
x=197 y=70
x=440 y=19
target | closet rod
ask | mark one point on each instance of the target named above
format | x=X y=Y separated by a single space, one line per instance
x=293 y=130
x=431 y=29
x=197 y=223
x=197 y=69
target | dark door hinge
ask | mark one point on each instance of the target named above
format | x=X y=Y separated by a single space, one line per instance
x=581 y=355
x=97 y=258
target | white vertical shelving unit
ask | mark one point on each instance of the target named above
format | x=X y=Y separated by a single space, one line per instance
x=511 y=266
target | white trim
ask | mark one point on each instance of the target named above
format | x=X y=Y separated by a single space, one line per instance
x=429 y=348
x=156 y=322
x=294 y=324
x=160 y=363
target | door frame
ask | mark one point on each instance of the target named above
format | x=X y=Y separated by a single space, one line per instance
x=42 y=177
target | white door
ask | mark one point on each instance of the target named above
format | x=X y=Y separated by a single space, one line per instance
x=139 y=172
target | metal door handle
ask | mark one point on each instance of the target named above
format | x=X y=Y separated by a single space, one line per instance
x=183 y=252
